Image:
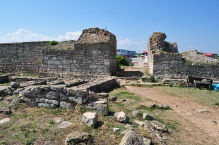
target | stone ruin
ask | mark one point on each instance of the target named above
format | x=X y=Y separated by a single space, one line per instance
x=166 y=63
x=157 y=44
x=70 y=73
x=92 y=55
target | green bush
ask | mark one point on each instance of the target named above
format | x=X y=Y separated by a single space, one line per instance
x=53 y=42
x=122 y=61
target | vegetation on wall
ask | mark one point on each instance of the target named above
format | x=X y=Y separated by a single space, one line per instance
x=53 y=42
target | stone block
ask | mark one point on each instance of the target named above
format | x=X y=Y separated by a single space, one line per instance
x=90 y=118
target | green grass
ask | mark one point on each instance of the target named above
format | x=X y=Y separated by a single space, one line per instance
x=204 y=97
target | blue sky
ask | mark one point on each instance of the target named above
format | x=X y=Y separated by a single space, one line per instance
x=193 y=24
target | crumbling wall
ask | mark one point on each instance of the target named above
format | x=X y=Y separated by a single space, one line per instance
x=166 y=63
x=94 y=54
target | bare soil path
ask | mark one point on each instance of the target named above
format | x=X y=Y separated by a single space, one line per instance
x=201 y=121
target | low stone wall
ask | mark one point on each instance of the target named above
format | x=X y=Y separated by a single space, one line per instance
x=66 y=94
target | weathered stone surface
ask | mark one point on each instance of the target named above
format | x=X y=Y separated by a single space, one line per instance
x=135 y=113
x=4 y=79
x=46 y=105
x=15 y=84
x=4 y=91
x=165 y=63
x=75 y=82
x=77 y=137
x=102 y=95
x=38 y=82
x=148 y=117
x=67 y=105
x=101 y=107
x=5 y=110
x=53 y=95
x=90 y=118
x=121 y=117
x=64 y=124
x=159 y=126
x=115 y=129
x=65 y=97
x=147 y=141
x=131 y=138
x=2 y=121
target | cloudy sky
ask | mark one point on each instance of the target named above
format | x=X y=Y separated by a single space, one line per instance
x=193 y=24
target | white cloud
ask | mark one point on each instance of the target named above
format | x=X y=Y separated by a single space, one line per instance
x=24 y=35
x=130 y=44
x=69 y=36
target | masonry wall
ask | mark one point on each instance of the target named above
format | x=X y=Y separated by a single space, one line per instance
x=88 y=60
x=172 y=66
x=21 y=57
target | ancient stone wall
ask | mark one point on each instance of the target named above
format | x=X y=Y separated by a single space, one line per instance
x=167 y=63
x=94 y=54
x=21 y=57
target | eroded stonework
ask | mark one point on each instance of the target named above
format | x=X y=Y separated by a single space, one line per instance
x=165 y=62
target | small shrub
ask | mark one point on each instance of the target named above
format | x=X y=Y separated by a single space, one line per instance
x=53 y=42
x=122 y=61
x=217 y=104
x=149 y=77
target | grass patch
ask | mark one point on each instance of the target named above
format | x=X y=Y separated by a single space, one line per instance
x=204 y=97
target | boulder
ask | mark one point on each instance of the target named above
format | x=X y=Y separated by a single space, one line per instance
x=77 y=137
x=121 y=117
x=5 y=91
x=15 y=85
x=90 y=118
x=101 y=107
x=131 y=138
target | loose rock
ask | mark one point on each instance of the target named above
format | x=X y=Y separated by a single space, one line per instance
x=135 y=113
x=15 y=84
x=115 y=129
x=90 y=118
x=121 y=117
x=4 y=120
x=131 y=138
x=64 y=124
x=148 y=117
x=5 y=110
x=77 y=137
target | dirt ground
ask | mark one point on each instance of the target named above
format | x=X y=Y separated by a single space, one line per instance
x=199 y=124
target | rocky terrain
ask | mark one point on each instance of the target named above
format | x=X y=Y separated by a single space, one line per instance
x=197 y=58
